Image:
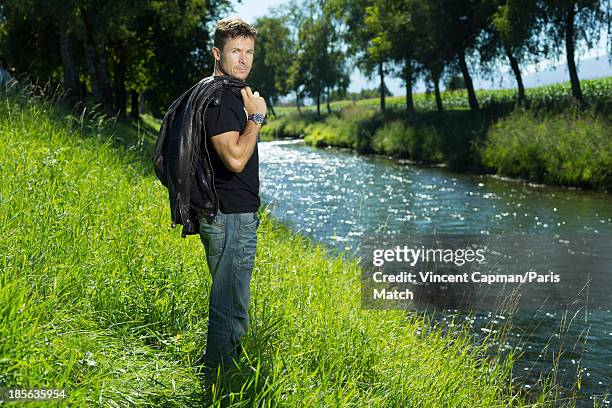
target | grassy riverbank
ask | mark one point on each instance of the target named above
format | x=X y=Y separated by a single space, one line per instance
x=550 y=142
x=99 y=297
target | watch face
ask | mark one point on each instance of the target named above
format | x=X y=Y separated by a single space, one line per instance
x=258 y=118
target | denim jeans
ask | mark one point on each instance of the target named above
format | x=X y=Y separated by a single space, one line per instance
x=230 y=242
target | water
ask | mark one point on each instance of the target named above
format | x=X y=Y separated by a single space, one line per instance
x=336 y=196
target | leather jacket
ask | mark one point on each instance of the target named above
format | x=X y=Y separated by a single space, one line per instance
x=178 y=161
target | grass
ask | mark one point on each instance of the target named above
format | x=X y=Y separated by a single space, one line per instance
x=99 y=296
x=569 y=149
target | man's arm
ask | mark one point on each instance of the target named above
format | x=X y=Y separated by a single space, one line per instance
x=236 y=149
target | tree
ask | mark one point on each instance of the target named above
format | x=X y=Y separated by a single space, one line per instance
x=454 y=83
x=432 y=51
x=30 y=43
x=314 y=40
x=180 y=48
x=319 y=66
x=455 y=28
x=513 y=34
x=297 y=76
x=271 y=63
x=378 y=50
x=151 y=47
x=573 y=23
x=363 y=32
x=405 y=39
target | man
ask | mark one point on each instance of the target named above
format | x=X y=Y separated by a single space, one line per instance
x=230 y=240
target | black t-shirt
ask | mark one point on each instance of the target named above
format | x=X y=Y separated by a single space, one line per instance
x=238 y=192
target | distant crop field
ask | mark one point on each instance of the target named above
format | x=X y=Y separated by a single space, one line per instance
x=549 y=97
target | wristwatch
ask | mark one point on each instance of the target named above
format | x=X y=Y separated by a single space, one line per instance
x=257 y=118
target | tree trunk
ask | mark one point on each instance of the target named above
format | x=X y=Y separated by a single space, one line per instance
x=120 y=91
x=107 y=91
x=381 y=73
x=519 y=78
x=71 y=73
x=328 y=106
x=319 y=103
x=271 y=108
x=135 y=108
x=468 y=81
x=297 y=102
x=569 y=50
x=97 y=74
x=436 y=82
x=90 y=58
x=408 y=79
x=83 y=90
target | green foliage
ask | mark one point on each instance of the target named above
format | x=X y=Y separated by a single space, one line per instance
x=353 y=128
x=409 y=140
x=394 y=139
x=270 y=69
x=367 y=93
x=455 y=83
x=288 y=126
x=318 y=64
x=567 y=149
x=152 y=47
x=514 y=30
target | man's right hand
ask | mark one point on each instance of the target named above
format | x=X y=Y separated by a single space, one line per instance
x=253 y=103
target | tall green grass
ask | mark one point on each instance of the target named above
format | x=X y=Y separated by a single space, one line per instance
x=99 y=296
x=567 y=149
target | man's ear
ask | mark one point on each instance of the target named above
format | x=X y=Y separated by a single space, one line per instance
x=216 y=54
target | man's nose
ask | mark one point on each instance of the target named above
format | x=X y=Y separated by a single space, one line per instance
x=242 y=58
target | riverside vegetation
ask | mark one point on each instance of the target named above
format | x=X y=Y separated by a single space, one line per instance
x=550 y=141
x=100 y=297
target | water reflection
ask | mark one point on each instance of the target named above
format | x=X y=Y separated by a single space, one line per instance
x=336 y=196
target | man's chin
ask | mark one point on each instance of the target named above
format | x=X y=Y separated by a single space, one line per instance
x=240 y=75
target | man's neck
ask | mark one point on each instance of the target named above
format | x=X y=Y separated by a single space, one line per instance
x=218 y=72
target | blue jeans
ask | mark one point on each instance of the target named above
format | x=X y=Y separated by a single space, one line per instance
x=230 y=242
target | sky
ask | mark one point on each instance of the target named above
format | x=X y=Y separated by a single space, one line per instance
x=590 y=65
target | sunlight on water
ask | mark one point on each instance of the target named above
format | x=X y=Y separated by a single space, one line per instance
x=337 y=193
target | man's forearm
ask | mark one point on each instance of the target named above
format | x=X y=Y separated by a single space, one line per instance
x=245 y=145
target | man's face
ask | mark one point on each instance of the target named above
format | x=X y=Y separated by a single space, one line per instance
x=236 y=57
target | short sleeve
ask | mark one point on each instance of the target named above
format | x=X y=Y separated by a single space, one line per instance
x=224 y=118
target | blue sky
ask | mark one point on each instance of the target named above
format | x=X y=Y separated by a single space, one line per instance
x=589 y=66
x=249 y=10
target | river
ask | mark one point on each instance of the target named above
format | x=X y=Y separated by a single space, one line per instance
x=336 y=196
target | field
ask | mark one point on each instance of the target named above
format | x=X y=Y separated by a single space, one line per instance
x=553 y=97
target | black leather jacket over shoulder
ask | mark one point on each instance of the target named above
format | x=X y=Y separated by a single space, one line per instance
x=178 y=159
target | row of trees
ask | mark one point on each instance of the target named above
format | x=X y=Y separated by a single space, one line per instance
x=107 y=51
x=428 y=39
x=104 y=51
